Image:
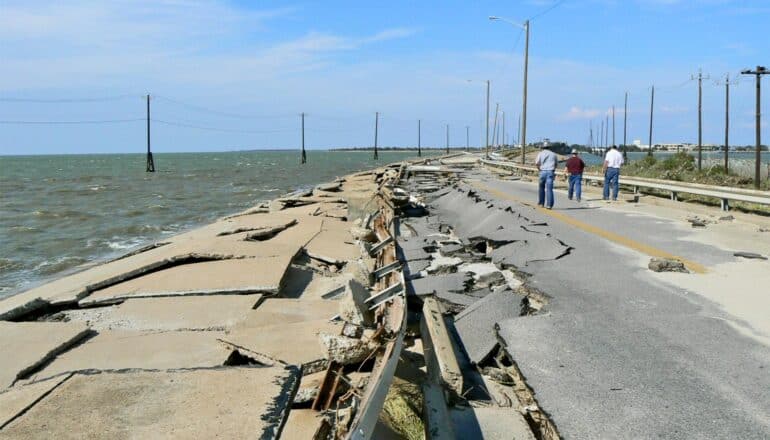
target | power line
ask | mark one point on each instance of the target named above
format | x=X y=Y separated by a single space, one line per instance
x=68 y=100
x=229 y=130
x=220 y=113
x=105 y=121
x=547 y=10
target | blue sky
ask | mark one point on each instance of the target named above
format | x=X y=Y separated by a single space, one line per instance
x=243 y=71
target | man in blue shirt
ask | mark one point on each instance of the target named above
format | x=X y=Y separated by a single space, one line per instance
x=546 y=162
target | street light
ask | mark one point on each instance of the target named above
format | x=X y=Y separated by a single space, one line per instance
x=487 y=146
x=524 y=26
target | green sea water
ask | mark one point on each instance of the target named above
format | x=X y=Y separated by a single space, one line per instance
x=58 y=213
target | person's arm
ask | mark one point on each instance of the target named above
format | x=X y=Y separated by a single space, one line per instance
x=604 y=167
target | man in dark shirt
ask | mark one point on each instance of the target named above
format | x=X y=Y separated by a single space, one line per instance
x=575 y=166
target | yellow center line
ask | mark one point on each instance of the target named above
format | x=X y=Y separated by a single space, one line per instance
x=611 y=236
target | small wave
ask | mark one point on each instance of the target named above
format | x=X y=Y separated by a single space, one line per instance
x=9 y=265
x=49 y=267
x=126 y=244
x=23 y=229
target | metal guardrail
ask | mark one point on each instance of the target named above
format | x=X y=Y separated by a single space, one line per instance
x=675 y=188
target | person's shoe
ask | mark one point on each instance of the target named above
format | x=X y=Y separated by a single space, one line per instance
x=549 y=207
x=578 y=200
x=540 y=205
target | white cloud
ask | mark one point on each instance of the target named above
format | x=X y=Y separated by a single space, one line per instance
x=581 y=113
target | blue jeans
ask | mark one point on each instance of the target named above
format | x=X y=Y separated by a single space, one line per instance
x=575 y=185
x=611 y=177
x=545 y=188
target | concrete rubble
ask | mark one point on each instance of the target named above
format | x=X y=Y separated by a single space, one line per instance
x=666 y=265
x=230 y=330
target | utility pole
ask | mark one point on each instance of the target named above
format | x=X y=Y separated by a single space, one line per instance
x=601 y=136
x=524 y=101
x=419 y=135
x=503 y=130
x=625 y=120
x=494 y=131
x=447 y=139
x=518 y=132
x=727 y=121
x=150 y=161
x=652 y=102
x=758 y=72
x=304 y=156
x=487 y=154
x=700 y=118
x=467 y=138
x=613 y=125
x=376 y=126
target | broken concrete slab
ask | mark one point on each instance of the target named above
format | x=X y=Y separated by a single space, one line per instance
x=428 y=285
x=14 y=401
x=304 y=282
x=237 y=402
x=476 y=324
x=242 y=276
x=334 y=244
x=329 y=187
x=171 y=313
x=345 y=350
x=537 y=248
x=352 y=304
x=276 y=311
x=439 y=350
x=26 y=346
x=198 y=245
x=306 y=424
x=457 y=299
x=115 y=350
x=490 y=423
x=414 y=267
x=295 y=344
x=264 y=224
x=442 y=264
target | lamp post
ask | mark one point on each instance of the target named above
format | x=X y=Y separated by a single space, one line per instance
x=524 y=26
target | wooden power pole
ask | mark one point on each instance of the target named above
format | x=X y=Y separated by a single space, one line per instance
x=758 y=73
x=467 y=138
x=419 y=136
x=652 y=102
x=700 y=78
x=376 y=126
x=727 y=123
x=304 y=156
x=625 y=120
x=150 y=161
x=447 y=139
x=613 y=125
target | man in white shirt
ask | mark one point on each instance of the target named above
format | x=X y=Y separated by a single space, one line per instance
x=546 y=162
x=612 y=162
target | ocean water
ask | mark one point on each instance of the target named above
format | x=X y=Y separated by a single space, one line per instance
x=58 y=213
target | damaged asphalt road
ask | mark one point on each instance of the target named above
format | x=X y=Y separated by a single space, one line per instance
x=614 y=353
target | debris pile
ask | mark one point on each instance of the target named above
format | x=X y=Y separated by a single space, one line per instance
x=465 y=263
